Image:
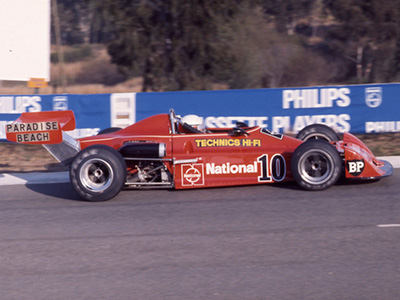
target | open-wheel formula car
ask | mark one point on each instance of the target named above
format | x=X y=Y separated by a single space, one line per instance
x=164 y=151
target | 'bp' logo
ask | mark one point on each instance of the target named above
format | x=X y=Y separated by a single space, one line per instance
x=373 y=96
x=355 y=167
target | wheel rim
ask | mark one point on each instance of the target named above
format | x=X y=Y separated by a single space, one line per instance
x=96 y=175
x=316 y=166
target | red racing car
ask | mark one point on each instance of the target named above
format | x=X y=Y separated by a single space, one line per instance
x=164 y=151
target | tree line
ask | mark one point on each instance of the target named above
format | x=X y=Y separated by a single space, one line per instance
x=195 y=44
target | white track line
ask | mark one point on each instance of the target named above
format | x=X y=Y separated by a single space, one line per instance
x=33 y=178
x=388 y=225
x=394 y=160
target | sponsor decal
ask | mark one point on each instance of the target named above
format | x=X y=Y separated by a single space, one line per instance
x=273 y=169
x=31 y=127
x=35 y=130
x=315 y=98
x=355 y=167
x=267 y=169
x=200 y=143
x=19 y=104
x=230 y=121
x=33 y=137
x=373 y=96
x=228 y=168
x=387 y=126
x=192 y=174
x=341 y=122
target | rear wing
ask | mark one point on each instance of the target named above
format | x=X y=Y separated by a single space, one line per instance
x=46 y=128
x=41 y=127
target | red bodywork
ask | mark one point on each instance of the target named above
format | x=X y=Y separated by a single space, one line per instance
x=208 y=159
x=359 y=160
x=216 y=158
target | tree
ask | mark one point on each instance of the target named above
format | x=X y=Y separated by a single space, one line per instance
x=192 y=44
x=287 y=13
x=258 y=56
x=83 y=22
x=393 y=69
x=364 y=28
x=168 y=42
x=254 y=55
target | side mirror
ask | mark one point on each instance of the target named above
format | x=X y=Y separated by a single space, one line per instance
x=238 y=132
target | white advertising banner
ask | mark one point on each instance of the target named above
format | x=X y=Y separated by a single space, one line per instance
x=24 y=39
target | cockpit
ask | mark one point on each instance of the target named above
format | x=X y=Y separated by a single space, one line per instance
x=179 y=125
x=194 y=124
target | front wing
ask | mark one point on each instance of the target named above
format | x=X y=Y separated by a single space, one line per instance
x=360 y=163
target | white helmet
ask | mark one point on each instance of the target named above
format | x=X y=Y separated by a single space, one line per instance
x=194 y=121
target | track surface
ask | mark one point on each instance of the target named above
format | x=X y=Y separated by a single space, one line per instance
x=259 y=242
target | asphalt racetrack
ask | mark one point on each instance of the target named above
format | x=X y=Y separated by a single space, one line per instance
x=253 y=242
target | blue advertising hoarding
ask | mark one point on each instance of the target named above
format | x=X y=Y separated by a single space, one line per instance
x=92 y=112
x=356 y=108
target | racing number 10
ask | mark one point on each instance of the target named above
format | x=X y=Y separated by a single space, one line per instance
x=273 y=170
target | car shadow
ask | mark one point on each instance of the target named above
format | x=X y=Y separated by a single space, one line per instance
x=345 y=181
x=56 y=190
x=292 y=185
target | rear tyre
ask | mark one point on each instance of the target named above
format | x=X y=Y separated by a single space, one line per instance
x=98 y=173
x=109 y=130
x=316 y=165
x=318 y=132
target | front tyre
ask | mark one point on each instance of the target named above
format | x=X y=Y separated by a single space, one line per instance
x=316 y=165
x=98 y=173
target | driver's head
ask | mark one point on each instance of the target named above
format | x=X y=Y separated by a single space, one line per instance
x=194 y=121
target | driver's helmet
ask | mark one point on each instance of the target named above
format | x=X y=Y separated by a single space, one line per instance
x=195 y=122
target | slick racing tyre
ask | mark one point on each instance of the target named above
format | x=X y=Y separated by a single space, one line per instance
x=318 y=132
x=98 y=173
x=316 y=165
